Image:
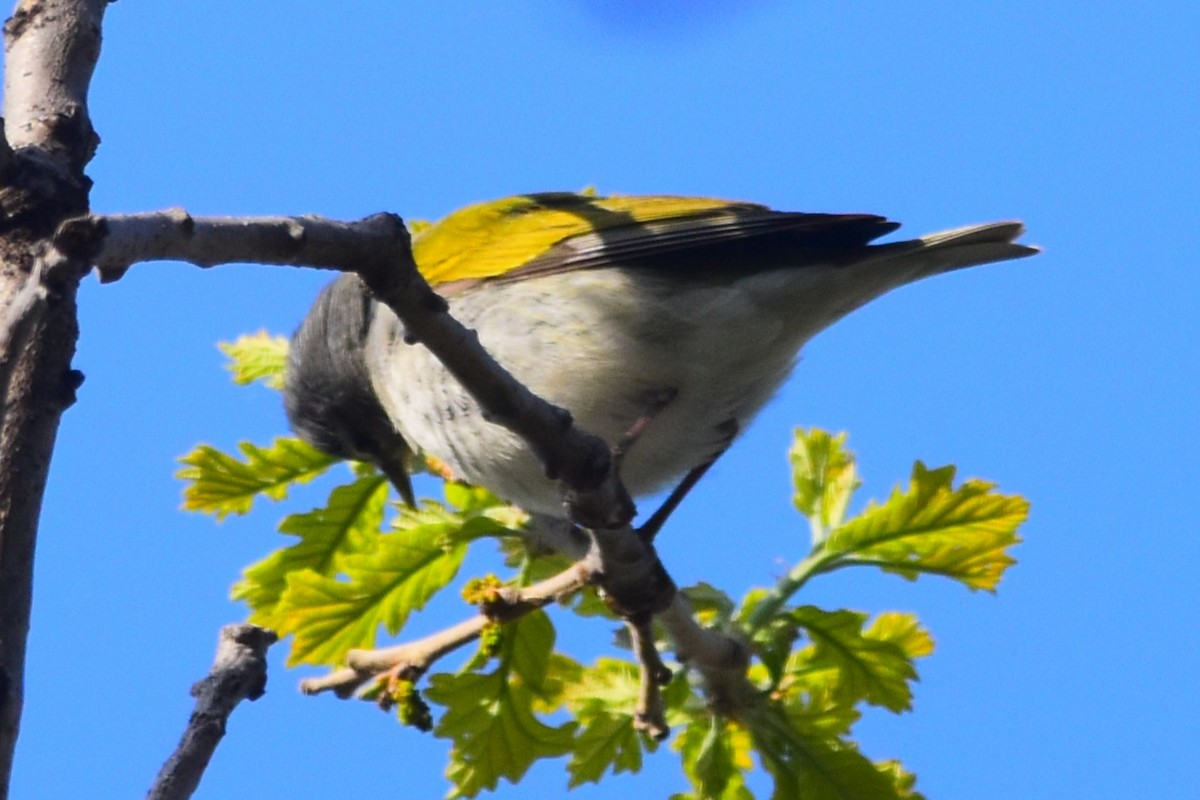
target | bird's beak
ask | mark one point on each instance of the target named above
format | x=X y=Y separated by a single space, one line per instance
x=394 y=465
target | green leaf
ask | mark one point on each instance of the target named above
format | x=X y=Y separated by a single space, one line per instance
x=814 y=705
x=222 y=484
x=824 y=478
x=866 y=667
x=526 y=650
x=932 y=528
x=467 y=527
x=611 y=684
x=330 y=616
x=815 y=767
x=563 y=673
x=344 y=579
x=490 y=717
x=348 y=523
x=772 y=638
x=716 y=756
x=257 y=357
x=904 y=631
x=904 y=780
x=472 y=499
x=603 y=697
x=607 y=742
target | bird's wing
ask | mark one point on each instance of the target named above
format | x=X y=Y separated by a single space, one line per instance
x=542 y=234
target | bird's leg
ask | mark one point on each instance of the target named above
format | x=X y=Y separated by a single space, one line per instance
x=650 y=528
x=655 y=403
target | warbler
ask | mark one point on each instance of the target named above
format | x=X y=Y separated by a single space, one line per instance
x=661 y=323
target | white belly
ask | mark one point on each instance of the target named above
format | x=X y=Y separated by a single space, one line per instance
x=593 y=343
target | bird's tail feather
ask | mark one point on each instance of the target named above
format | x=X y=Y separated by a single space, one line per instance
x=885 y=267
x=954 y=249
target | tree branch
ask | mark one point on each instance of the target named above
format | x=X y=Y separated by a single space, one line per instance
x=239 y=672
x=378 y=248
x=411 y=660
x=719 y=658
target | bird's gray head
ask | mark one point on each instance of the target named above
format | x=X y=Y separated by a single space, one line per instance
x=327 y=391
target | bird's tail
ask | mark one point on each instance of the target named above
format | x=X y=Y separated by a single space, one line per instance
x=878 y=269
x=958 y=248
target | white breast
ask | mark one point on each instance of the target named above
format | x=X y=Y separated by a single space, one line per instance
x=602 y=347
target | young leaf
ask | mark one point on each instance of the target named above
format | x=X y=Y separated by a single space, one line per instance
x=330 y=616
x=904 y=780
x=606 y=742
x=490 y=717
x=348 y=523
x=603 y=698
x=772 y=638
x=813 y=704
x=961 y=533
x=469 y=499
x=824 y=478
x=562 y=674
x=222 y=484
x=716 y=756
x=257 y=357
x=814 y=767
x=904 y=631
x=863 y=666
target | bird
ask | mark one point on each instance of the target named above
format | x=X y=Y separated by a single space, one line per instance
x=663 y=324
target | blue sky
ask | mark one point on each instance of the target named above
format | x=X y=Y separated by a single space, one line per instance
x=1070 y=378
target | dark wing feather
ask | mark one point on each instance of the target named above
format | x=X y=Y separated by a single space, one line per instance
x=737 y=240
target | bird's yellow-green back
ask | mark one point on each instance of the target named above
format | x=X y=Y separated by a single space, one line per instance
x=490 y=239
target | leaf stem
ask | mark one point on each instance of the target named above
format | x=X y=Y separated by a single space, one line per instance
x=817 y=562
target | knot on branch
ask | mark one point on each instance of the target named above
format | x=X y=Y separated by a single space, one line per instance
x=73 y=135
x=593 y=495
x=37 y=191
x=239 y=669
x=81 y=237
x=635 y=583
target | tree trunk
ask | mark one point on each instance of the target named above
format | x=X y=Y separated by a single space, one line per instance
x=51 y=47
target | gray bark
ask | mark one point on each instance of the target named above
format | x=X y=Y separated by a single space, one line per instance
x=51 y=47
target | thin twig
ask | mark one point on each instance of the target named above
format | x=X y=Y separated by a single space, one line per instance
x=410 y=660
x=650 y=714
